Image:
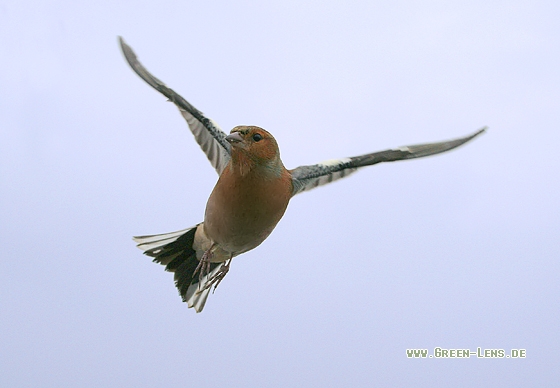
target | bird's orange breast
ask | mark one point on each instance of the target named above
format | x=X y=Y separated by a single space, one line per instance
x=242 y=211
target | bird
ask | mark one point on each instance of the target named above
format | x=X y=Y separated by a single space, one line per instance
x=250 y=197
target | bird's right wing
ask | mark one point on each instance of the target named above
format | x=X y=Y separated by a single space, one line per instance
x=206 y=132
x=309 y=177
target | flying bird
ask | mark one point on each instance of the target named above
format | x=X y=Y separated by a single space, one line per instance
x=250 y=197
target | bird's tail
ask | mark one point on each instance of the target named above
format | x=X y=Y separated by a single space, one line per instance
x=175 y=251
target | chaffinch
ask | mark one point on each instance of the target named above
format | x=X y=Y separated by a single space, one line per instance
x=250 y=197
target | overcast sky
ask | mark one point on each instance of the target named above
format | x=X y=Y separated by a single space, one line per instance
x=459 y=250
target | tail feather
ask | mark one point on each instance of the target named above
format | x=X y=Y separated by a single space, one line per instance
x=197 y=294
x=175 y=251
x=151 y=244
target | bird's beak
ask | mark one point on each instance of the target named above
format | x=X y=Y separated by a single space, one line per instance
x=234 y=137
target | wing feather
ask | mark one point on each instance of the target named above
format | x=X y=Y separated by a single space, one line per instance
x=308 y=177
x=206 y=132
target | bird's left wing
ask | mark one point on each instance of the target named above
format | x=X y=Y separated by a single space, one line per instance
x=207 y=133
x=309 y=177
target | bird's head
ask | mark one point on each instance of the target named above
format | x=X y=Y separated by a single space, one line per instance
x=255 y=146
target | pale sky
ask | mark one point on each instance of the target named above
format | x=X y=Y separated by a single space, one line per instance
x=458 y=250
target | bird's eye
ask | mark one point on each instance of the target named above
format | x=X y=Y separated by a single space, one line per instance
x=257 y=137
